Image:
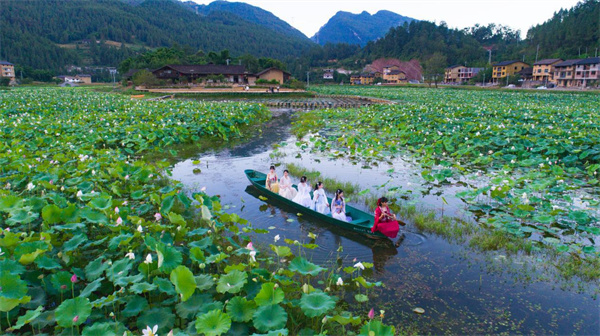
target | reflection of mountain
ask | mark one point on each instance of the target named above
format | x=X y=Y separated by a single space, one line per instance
x=382 y=249
x=273 y=132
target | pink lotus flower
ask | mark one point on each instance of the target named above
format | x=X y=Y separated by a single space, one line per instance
x=249 y=246
x=371 y=314
x=119 y=221
x=116 y=209
x=74 y=278
x=158 y=216
x=76 y=318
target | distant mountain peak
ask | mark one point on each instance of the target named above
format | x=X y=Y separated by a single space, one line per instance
x=346 y=27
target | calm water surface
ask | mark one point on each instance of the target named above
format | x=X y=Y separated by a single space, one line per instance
x=462 y=291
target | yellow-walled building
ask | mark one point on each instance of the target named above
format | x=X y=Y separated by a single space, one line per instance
x=543 y=71
x=507 y=68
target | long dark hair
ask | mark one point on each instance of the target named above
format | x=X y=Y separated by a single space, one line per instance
x=318 y=184
x=272 y=167
x=303 y=179
x=286 y=171
x=338 y=195
x=381 y=201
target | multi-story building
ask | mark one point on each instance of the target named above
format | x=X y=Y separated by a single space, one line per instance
x=507 y=68
x=460 y=73
x=7 y=70
x=395 y=77
x=564 y=73
x=587 y=72
x=543 y=71
x=328 y=74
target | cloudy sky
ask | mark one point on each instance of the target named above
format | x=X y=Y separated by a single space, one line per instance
x=309 y=15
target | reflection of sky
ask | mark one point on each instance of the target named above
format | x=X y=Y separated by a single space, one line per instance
x=451 y=283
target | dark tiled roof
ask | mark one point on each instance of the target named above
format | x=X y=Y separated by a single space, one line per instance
x=505 y=63
x=207 y=69
x=269 y=69
x=548 y=61
x=526 y=71
x=5 y=63
x=395 y=72
x=591 y=60
x=454 y=66
x=567 y=63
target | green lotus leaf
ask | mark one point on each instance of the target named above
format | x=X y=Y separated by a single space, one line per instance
x=269 y=295
x=190 y=308
x=9 y=203
x=162 y=317
x=213 y=323
x=204 y=281
x=281 y=251
x=176 y=219
x=279 y=332
x=12 y=266
x=119 y=269
x=232 y=282
x=375 y=327
x=13 y=290
x=197 y=255
x=345 y=318
x=74 y=242
x=95 y=269
x=184 y=282
x=101 y=203
x=316 y=303
x=28 y=317
x=61 y=281
x=21 y=217
x=122 y=239
x=93 y=216
x=52 y=214
x=240 y=309
x=73 y=312
x=168 y=258
x=215 y=258
x=167 y=204
x=270 y=317
x=135 y=305
x=581 y=217
x=142 y=287
x=91 y=287
x=304 y=267
x=165 y=286
x=99 y=329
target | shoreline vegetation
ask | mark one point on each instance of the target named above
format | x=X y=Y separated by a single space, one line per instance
x=97 y=241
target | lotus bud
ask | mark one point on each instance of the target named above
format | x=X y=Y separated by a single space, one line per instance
x=229 y=248
x=76 y=318
x=324 y=320
x=202 y=265
x=74 y=278
x=305 y=288
x=371 y=314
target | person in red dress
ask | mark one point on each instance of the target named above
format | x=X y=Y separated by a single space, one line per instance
x=385 y=220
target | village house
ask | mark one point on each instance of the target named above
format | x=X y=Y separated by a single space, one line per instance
x=77 y=79
x=328 y=74
x=587 y=72
x=193 y=73
x=460 y=73
x=526 y=73
x=395 y=77
x=7 y=70
x=564 y=73
x=273 y=74
x=507 y=69
x=364 y=78
x=543 y=71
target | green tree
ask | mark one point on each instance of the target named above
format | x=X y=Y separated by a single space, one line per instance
x=145 y=77
x=435 y=66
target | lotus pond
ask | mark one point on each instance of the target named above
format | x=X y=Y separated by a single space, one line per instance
x=96 y=240
x=529 y=161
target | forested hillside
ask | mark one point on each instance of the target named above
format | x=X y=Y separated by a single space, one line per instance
x=31 y=31
x=569 y=33
x=361 y=28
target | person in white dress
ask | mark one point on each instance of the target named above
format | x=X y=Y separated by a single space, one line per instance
x=338 y=206
x=303 y=196
x=285 y=186
x=320 y=203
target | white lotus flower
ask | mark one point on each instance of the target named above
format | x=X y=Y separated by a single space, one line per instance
x=359 y=265
x=117 y=210
x=79 y=193
x=150 y=332
x=130 y=255
x=30 y=186
x=119 y=221
x=340 y=282
x=148 y=259
x=276 y=238
x=140 y=229
x=253 y=256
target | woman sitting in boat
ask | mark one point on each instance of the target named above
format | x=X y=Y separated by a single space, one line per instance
x=338 y=206
x=385 y=221
x=285 y=186
x=271 y=182
x=320 y=203
x=303 y=196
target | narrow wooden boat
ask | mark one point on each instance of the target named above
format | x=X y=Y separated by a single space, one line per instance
x=362 y=221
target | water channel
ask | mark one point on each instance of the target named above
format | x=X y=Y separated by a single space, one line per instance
x=461 y=290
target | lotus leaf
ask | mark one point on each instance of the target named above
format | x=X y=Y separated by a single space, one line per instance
x=67 y=311
x=91 y=287
x=99 y=329
x=375 y=327
x=162 y=317
x=269 y=294
x=316 y=303
x=184 y=282
x=213 y=323
x=269 y=317
x=240 y=309
x=304 y=267
x=28 y=317
x=232 y=282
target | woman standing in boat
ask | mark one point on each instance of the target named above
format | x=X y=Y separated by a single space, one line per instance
x=271 y=182
x=338 y=206
x=303 y=196
x=385 y=220
x=320 y=203
x=285 y=186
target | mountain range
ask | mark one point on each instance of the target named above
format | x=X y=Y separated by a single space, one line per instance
x=361 y=28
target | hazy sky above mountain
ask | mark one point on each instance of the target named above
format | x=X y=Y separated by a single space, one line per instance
x=309 y=15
